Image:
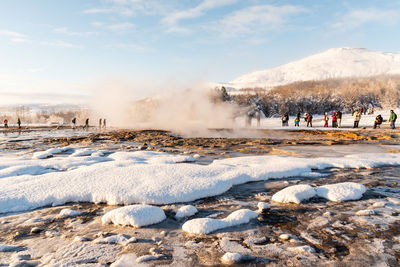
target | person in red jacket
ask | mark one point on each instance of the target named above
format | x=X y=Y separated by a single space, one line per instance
x=334 y=120
x=309 y=120
x=326 y=119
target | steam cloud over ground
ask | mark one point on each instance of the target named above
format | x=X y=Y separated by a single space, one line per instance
x=188 y=111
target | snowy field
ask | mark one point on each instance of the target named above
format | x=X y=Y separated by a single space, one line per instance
x=147 y=177
x=101 y=204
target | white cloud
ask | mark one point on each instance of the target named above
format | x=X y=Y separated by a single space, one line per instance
x=20 y=40
x=130 y=7
x=59 y=43
x=15 y=37
x=172 y=19
x=257 y=18
x=131 y=47
x=66 y=31
x=120 y=26
x=98 y=10
x=357 y=18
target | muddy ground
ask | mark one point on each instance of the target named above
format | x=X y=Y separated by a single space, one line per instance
x=314 y=233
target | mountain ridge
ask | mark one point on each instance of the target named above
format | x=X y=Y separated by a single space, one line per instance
x=333 y=63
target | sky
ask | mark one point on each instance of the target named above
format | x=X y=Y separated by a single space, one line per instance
x=63 y=50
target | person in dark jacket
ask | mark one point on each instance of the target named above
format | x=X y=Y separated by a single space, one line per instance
x=339 y=118
x=378 y=121
x=19 y=123
x=87 y=124
x=73 y=123
x=285 y=119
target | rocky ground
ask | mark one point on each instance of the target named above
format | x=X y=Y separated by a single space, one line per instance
x=315 y=233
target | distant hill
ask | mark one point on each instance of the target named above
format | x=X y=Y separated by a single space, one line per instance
x=333 y=63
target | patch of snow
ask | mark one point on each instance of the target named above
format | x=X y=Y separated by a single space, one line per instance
x=49 y=153
x=302 y=249
x=68 y=213
x=81 y=239
x=232 y=258
x=194 y=244
x=294 y=194
x=263 y=206
x=150 y=177
x=185 y=211
x=134 y=215
x=394 y=200
x=83 y=152
x=116 y=239
x=228 y=245
x=365 y=212
x=127 y=260
x=207 y=225
x=147 y=258
x=341 y=191
x=285 y=236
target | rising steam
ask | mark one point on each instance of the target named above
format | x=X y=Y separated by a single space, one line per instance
x=185 y=111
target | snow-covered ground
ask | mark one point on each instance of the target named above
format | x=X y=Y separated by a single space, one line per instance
x=149 y=177
x=193 y=211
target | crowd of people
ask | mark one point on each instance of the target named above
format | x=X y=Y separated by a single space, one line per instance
x=102 y=123
x=336 y=119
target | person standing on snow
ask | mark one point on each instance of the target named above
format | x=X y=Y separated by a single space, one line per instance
x=378 y=121
x=285 y=119
x=297 y=120
x=392 y=119
x=100 y=120
x=87 y=124
x=104 y=123
x=334 y=120
x=5 y=123
x=339 y=119
x=309 y=120
x=357 y=117
x=19 y=123
x=73 y=123
x=326 y=119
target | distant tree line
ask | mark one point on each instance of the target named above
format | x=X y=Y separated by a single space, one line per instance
x=318 y=97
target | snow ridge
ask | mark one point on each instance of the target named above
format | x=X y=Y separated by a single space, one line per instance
x=333 y=63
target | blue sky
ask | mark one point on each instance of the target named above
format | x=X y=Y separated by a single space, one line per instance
x=66 y=47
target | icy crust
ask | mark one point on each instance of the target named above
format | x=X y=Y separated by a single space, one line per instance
x=134 y=215
x=294 y=194
x=342 y=191
x=150 y=177
x=208 y=225
x=333 y=192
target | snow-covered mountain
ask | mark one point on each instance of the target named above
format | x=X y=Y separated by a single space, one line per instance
x=333 y=63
